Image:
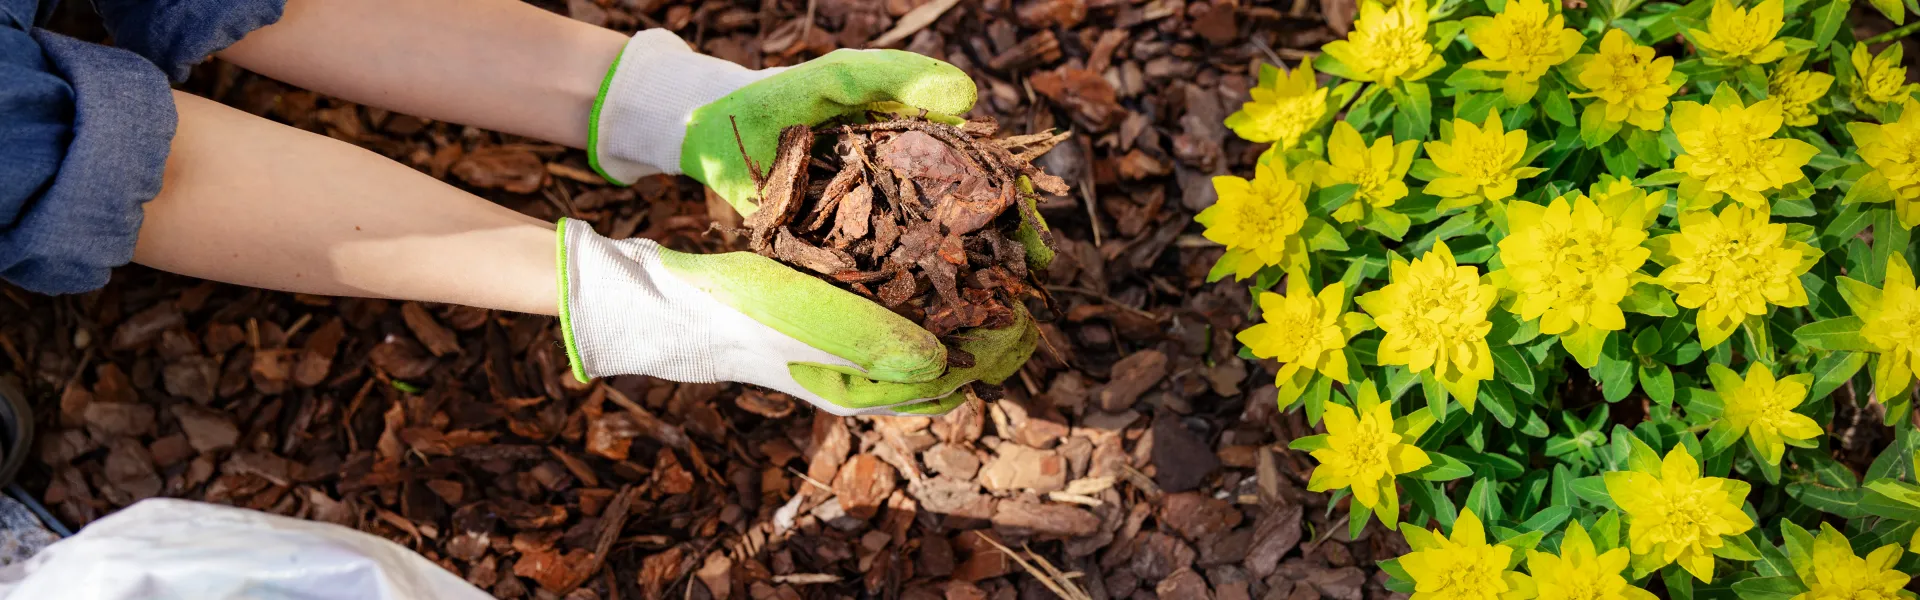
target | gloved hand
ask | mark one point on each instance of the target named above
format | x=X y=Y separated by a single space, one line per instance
x=634 y=307
x=664 y=108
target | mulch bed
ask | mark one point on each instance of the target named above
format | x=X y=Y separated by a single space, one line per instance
x=1135 y=455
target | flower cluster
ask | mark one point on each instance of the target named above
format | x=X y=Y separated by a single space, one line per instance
x=1732 y=266
x=1728 y=148
x=1740 y=35
x=1890 y=324
x=1570 y=264
x=1388 y=44
x=1676 y=515
x=1284 y=108
x=1306 y=332
x=1893 y=150
x=1434 y=313
x=1627 y=82
x=1259 y=221
x=1481 y=163
x=1523 y=41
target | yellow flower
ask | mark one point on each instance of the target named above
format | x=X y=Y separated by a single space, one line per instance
x=1797 y=91
x=1434 y=313
x=1879 y=79
x=1676 y=515
x=1463 y=567
x=1365 y=450
x=1378 y=171
x=1734 y=33
x=1890 y=321
x=1388 y=43
x=1761 y=408
x=1731 y=266
x=1729 y=148
x=1524 y=40
x=1258 y=221
x=1572 y=263
x=1284 y=108
x=1893 y=150
x=1305 y=332
x=1834 y=572
x=1628 y=82
x=1482 y=163
x=1581 y=573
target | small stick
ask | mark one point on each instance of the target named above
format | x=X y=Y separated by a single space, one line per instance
x=753 y=169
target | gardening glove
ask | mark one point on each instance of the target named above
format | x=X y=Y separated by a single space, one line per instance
x=634 y=307
x=664 y=108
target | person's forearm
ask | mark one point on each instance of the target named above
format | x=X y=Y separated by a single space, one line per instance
x=496 y=64
x=251 y=202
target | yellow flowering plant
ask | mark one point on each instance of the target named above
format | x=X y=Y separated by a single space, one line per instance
x=1760 y=408
x=1434 y=313
x=1628 y=84
x=1307 y=333
x=1826 y=567
x=1575 y=233
x=1676 y=516
x=1730 y=268
x=1463 y=565
x=1572 y=264
x=1478 y=163
x=1879 y=81
x=1285 y=107
x=1522 y=41
x=1365 y=450
x=1728 y=150
x=1742 y=36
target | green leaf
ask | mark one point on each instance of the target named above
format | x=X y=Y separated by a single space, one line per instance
x=1595 y=129
x=1842 y=503
x=1650 y=299
x=1484 y=502
x=1892 y=9
x=1834 y=335
x=1892 y=499
x=1679 y=582
x=1593 y=490
x=1768 y=588
x=1309 y=443
x=1443 y=468
x=1737 y=547
x=1413 y=120
x=1657 y=380
x=1558 y=107
x=1331 y=198
x=1828 y=19
x=1548 y=519
x=1834 y=370
x=1513 y=369
x=1615 y=372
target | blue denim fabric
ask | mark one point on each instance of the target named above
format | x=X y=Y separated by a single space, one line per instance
x=85 y=129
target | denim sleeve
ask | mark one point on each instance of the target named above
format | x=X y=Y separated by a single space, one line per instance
x=177 y=34
x=84 y=134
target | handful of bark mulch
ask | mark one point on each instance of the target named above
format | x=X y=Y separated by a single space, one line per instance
x=931 y=220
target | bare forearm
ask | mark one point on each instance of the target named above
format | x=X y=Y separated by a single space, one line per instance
x=496 y=64
x=256 y=203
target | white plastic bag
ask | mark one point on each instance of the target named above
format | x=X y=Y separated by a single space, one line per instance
x=162 y=549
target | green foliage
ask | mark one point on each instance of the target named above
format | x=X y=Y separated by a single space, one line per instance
x=1528 y=450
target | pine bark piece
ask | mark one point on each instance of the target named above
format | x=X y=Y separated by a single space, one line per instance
x=786 y=183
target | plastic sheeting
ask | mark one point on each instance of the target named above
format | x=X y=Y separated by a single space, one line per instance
x=163 y=549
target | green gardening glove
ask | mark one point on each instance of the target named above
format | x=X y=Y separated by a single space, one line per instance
x=633 y=307
x=666 y=109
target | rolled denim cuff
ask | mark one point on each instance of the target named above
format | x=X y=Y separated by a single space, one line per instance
x=88 y=219
x=178 y=34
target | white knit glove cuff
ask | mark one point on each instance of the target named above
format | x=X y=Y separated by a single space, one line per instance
x=626 y=313
x=640 y=118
